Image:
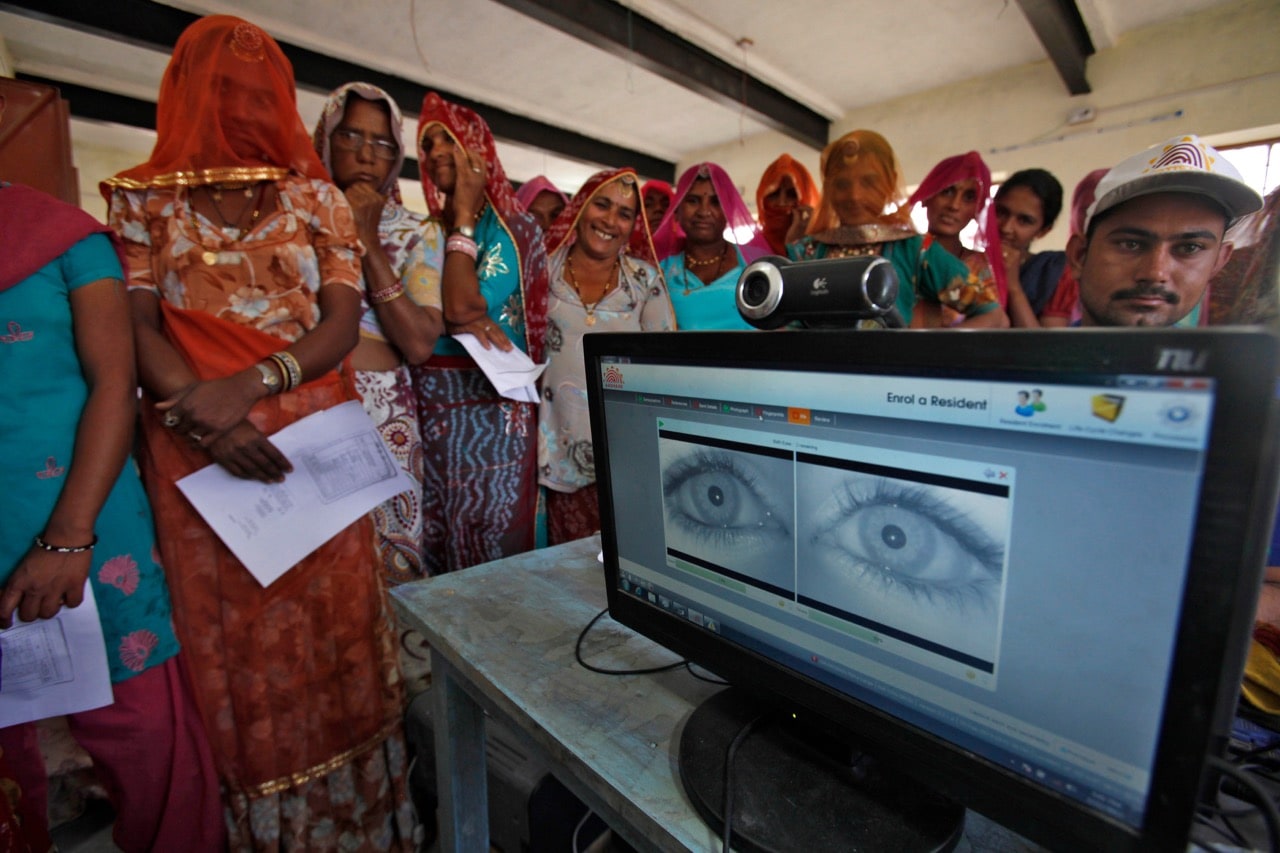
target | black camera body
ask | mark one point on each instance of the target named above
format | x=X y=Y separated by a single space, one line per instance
x=831 y=293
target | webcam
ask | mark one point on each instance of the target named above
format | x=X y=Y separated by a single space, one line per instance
x=830 y=293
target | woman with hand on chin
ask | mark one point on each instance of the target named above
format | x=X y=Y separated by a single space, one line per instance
x=1027 y=206
x=244 y=279
x=480 y=448
x=359 y=140
x=700 y=263
x=785 y=195
x=598 y=284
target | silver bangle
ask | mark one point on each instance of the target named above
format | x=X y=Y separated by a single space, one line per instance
x=65 y=549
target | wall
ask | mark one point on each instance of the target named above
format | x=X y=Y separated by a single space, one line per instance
x=1220 y=68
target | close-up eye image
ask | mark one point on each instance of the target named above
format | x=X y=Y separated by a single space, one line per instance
x=729 y=510
x=921 y=562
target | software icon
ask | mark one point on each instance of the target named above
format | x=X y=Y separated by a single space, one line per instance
x=1107 y=406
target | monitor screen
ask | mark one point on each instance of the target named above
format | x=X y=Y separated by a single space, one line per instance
x=1022 y=563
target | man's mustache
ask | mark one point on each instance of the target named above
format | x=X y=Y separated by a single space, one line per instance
x=1146 y=293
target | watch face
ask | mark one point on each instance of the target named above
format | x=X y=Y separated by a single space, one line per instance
x=269 y=377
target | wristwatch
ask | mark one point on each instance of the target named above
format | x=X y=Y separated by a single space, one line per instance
x=468 y=231
x=270 y=377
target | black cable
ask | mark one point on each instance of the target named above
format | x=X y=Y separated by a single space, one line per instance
x=1203 y=822
x=577 y=653
x=689 y=665
x=1266 y=805
x=727 y=835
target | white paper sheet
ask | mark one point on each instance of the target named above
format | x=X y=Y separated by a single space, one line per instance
x=56 y=666
x=513 y=373
x=341 y=470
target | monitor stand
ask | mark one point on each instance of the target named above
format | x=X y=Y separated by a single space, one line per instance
x=791 y=795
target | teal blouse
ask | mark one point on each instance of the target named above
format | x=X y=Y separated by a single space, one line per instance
x=46 y=394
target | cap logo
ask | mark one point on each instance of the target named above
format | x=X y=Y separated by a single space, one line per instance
x=1181 y=155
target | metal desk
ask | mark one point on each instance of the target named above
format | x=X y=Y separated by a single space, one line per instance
x=502 y=637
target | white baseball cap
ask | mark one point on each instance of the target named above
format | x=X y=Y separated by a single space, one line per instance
x=1184 y=164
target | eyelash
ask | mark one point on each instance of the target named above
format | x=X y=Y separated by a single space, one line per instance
x=713 y=462
x=950 y=521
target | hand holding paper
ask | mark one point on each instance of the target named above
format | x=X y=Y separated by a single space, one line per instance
x=341 y=470
x=512 y=373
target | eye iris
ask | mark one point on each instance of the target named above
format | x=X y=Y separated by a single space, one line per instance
x=716 y=495
x=897 y=538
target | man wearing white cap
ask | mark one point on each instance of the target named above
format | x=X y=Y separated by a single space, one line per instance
x=1154 y=236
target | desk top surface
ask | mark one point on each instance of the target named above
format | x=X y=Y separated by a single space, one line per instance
x=509 y=628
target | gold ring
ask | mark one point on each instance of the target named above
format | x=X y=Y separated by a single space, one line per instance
x=476 y=169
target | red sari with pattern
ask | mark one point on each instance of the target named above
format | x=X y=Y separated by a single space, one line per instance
x=296 y=682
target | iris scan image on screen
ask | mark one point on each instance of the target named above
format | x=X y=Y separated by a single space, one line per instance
x=728 y=507
x=908 y=554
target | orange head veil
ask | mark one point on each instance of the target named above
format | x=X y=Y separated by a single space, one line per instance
x=773 y=221
x=857 y=148
x=227 y=112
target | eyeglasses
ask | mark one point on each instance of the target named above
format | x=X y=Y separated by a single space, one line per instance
x=354 y=141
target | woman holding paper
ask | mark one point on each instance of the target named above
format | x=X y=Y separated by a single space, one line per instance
x=75 y=509
x=481 y=488
x=244 y=280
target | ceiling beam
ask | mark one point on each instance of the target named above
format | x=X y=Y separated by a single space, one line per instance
x=97 y=105
x=1061 y=29
x=152 y=25
x=621 y=32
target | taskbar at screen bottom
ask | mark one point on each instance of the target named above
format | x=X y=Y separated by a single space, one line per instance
x=1040 y=767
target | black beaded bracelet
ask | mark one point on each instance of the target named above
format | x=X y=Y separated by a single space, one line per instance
x=63 y=549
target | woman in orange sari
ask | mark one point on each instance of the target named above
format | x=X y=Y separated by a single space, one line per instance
x=244 y=279
x=786 y=191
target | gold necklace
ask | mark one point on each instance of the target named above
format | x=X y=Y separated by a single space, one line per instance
x=216 y=190
x=717 y=260
x=573 y=282
x=210 y=257
x=688 y=264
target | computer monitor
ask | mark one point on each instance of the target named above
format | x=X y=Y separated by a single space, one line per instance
x=1019 y=566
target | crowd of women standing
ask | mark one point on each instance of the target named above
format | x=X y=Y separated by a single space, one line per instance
x=273 y=273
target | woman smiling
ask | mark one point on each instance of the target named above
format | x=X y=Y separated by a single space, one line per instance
x=596 y=286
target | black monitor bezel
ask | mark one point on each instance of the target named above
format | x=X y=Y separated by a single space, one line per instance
x=1234 y=518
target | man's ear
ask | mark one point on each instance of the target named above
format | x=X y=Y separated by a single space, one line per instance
x=1077 y=248
x=1224 y=255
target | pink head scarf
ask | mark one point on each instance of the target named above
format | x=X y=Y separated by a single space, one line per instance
x=669 y=239
x=530 y=190
x=970 y=167
x=1083 y=197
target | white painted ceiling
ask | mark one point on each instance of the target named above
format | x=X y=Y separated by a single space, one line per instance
x=832 y=57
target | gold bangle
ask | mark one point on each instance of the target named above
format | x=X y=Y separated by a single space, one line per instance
x=383 y=300
x=289 y=367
